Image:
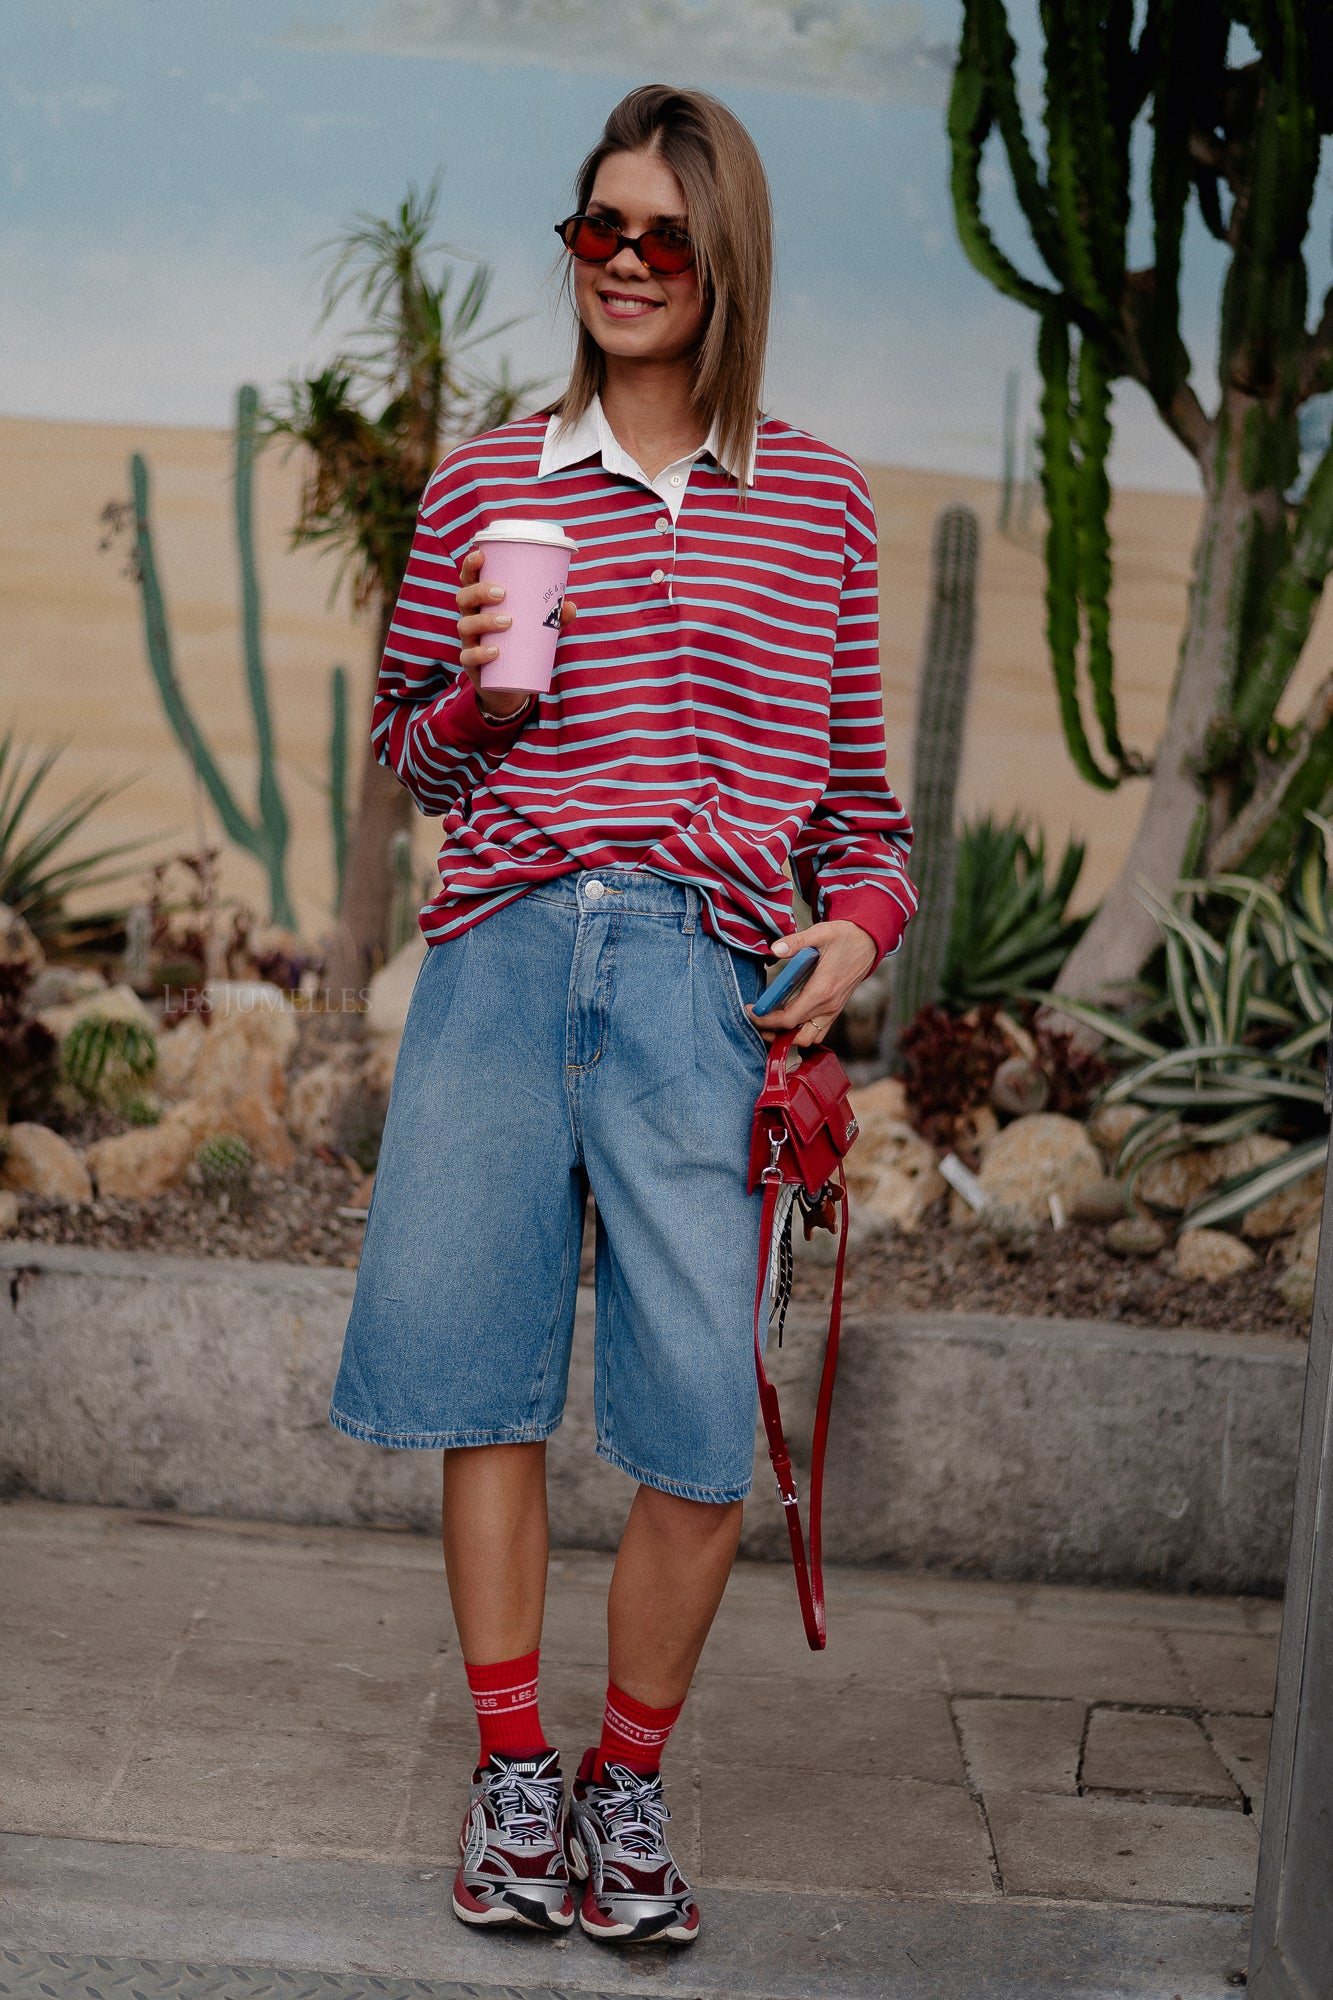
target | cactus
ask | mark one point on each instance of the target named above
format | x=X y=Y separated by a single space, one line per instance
x=943 y=685
x=1242 y=115
x=225 y=1165
x=1008 y=451
x=338 y=780
x=107 y=1058
x=403 y=908
x=264 y=836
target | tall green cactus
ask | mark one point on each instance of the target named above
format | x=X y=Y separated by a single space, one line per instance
x=943 y=686
x=338 y=780
x=1236 y=125
x=264 y=835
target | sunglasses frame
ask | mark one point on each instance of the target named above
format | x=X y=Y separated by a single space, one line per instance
x=623 y=242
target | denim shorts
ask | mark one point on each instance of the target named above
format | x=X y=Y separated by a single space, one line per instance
x=589 y=1033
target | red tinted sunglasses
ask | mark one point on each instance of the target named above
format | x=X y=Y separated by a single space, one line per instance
x=593 y=240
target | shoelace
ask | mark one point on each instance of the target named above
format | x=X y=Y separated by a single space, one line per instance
x=525 y=1808
x=634 y=1812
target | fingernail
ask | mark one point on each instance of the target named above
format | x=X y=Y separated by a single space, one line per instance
x=492 y=650
x=781 y=948
x=504 y=619
x=495 y=593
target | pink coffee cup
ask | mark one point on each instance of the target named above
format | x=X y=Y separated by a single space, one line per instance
x=531 y=560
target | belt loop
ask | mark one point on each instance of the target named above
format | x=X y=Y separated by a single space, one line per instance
x=693 y=904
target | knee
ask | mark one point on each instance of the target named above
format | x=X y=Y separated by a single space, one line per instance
x=701 y=1524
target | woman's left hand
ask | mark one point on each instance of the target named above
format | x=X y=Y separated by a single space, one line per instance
x=846 y=955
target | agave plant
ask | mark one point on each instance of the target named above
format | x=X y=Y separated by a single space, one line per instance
x=1011 y=929
x=34 y=880
x=1234 y=1042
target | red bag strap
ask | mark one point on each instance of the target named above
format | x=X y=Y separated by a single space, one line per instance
x=809 y=1573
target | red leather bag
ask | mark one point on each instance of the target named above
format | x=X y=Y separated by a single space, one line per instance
x=803 y=1125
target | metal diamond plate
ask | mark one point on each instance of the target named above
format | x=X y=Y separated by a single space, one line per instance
x=42 y=1975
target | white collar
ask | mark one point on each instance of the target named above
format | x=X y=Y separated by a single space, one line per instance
x=591 y=434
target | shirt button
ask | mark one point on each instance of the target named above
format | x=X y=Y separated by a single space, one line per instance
x=658 y=576
x=675 y=479
x=592 y=890
x=662 y=524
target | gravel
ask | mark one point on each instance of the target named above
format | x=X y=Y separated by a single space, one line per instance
x=1070 y=1274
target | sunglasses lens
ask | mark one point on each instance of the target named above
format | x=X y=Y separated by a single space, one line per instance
x=667 y=250
x=595 y=242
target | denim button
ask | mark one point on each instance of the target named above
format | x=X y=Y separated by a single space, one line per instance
x=592 y=890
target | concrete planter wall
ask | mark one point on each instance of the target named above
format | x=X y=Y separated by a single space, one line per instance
x=1008 y=1448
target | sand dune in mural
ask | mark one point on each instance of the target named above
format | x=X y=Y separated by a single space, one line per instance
x=72 y=664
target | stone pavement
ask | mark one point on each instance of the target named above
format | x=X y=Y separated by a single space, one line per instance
x=245 y=1744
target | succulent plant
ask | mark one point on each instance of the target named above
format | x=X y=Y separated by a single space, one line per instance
x=225 y=1165
x=107 y=1059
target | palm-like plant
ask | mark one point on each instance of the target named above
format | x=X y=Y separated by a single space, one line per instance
x=1011 y=930
x=376 y=422
x=34 y=881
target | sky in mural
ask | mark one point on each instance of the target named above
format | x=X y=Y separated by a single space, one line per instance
x=167 y=168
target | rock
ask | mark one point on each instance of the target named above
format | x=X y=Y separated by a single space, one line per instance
x=1304 y=1249
x=21 y=954
x=1136 y=1236
x=1036 y=1157
x=1020 y=1087
x=316 y=1099
x=1111 y=1126
x=1294 y=1207
x=9 y=1212
x=148 y=1161
x=1009 y=1228
x=891 y=1172
x=1176 y=1184
x=39 y=1161
x=108 y=1003
x=391 y=990
x=1296 y=1288
x=233 y=1038
x=63 y=986
x=178 y=1050
x=863 y=1013
x=251 y=1114
x=1098 y=1201
x=886 y=1098
x=1210 y=1255
x=255 y=1013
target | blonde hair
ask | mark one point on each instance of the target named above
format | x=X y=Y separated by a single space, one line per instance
x=731 y=226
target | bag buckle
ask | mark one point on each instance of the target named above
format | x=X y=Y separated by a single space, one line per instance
x=772 y=1172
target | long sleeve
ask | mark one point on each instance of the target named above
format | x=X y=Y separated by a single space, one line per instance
x=426 y=726
x=850 y=859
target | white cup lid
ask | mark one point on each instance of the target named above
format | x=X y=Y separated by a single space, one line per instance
x=549 y=533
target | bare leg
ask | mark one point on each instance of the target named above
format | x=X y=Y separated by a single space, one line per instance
x=674 y=1561
x=496 y=1545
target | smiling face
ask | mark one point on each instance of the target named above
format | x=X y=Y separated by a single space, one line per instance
x=631 y=312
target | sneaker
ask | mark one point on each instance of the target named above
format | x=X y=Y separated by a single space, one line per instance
x=616 y=1845
x=513 y=1869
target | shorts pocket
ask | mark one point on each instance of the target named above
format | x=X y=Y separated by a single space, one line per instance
x=738 y=999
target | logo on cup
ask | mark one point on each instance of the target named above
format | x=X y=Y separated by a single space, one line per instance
x=552 y=618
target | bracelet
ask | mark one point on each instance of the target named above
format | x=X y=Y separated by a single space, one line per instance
x=503 y=721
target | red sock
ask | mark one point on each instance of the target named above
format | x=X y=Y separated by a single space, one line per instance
x=505 y=1698
x=633 y=1733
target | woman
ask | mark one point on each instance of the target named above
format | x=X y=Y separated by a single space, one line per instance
x=612 y=879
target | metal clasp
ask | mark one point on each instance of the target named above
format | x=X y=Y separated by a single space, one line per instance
x=772 y=1172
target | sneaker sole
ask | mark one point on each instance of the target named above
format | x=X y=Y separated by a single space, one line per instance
x=674 y=1933
x=481 y=1914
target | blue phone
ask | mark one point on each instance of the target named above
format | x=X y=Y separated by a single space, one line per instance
x=780 y=989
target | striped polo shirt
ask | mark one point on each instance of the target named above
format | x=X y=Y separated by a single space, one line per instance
x=716 y=715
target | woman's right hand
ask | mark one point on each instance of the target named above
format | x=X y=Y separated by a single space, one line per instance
x=479 y=613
